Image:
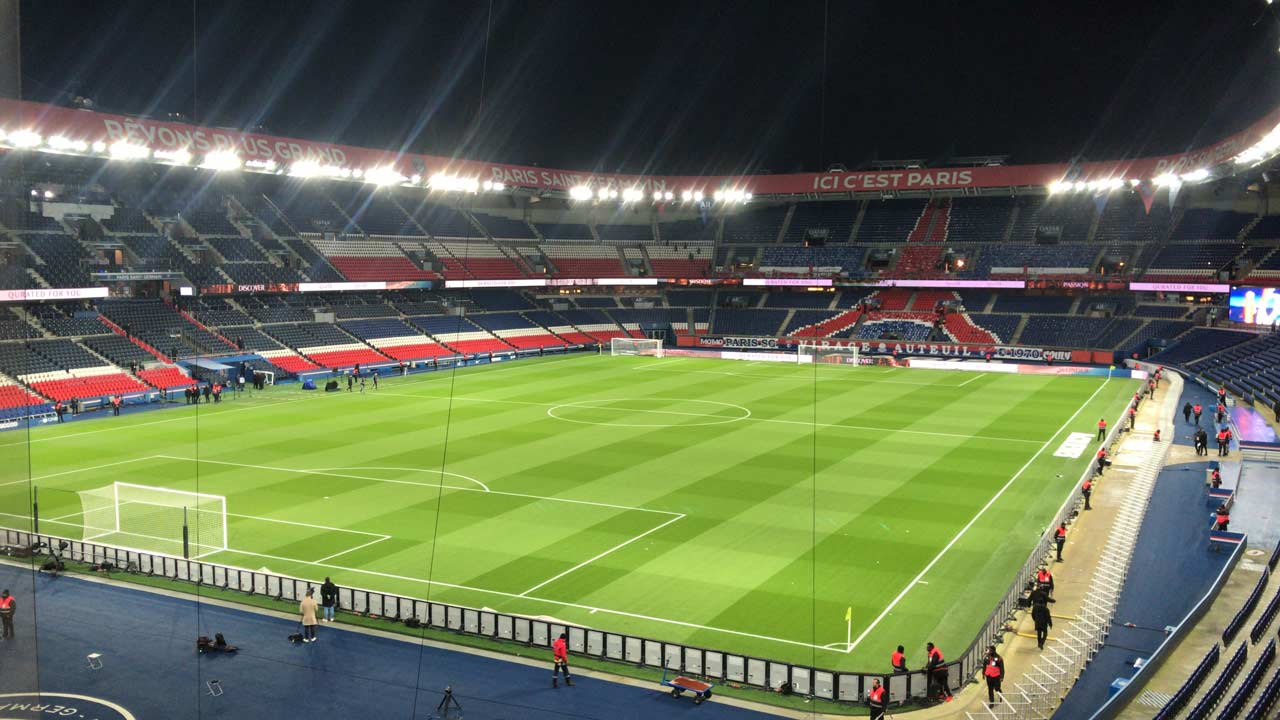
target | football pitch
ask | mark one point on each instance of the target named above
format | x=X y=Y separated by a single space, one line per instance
x=736 y=506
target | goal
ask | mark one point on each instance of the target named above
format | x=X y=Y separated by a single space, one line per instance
x=632 y=346
x=155 y=519
x=827 y=354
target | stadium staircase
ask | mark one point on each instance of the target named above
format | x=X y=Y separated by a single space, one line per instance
x=191 y=319
x=829 y=327
x=145 y=346
x=923 y=251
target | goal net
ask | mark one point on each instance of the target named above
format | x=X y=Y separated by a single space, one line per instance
x=155 y=519
x=633 y=346
x=827 y=355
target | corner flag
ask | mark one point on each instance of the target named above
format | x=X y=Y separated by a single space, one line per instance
x=848 y=615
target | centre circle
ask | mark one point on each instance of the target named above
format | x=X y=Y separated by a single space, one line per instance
x=559 y=412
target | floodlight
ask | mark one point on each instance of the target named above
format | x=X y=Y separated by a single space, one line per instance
x=265 y=165
x=697 y=196
x=668 y=195
x=25 y=139
x=176 y=157
x=499 y=186
x=580 y=192
x=48 y=194
x=385 y=175
x=305 y=169
x=99 y=147
x=632 y=195
x=58 y=142
x=124 y=150
x=1196 y=175
x=686 y=195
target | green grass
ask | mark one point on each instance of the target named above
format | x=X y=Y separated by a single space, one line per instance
x=630 y=494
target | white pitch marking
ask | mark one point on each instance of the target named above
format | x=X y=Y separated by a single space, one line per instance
x=975 y=377
x=585 y=563
x=753 y=418
x=432 y=485
x=972 y=521
x=358 y=547
x=308 y=525
x=404 y=469
x=84 y=469
x=560 y=603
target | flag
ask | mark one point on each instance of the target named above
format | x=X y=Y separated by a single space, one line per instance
x=848 y=615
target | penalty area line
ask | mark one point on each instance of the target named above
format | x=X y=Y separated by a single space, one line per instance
x=585 y=563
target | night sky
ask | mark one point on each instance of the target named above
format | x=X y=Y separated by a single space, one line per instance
x=676 y=87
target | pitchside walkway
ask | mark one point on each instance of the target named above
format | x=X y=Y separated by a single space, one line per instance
x=1085 y=540
x=149 y=666
x=1172 y=568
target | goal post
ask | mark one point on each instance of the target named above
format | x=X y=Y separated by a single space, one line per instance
x=817 y=354
x=635 y=346
x=155 y=519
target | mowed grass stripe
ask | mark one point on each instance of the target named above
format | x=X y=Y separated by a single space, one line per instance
x=738 y=558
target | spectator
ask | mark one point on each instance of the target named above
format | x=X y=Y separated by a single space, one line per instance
x=308 y=610
x=1186 y=412
x=328 y=598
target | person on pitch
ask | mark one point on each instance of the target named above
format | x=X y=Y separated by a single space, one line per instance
x=1186 y=412
x=1102 y=429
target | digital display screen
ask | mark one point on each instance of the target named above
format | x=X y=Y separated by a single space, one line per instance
x=1254 y=305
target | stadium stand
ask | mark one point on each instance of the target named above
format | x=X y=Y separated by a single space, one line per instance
x=687 y=231
x=460 y=334
x=504 y=228
x=832 y=221
x=1200 y=342
x=886 y=221
x=395 y=339
x=766 y=323
x=982 y=220
x=517 y=330
x=584 y=260
x=594 y=323
x=755 y=225
x=370 y=260
x=687 y=259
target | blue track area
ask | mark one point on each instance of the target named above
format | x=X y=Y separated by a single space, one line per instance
x=150 y=667
x=1172 y=568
